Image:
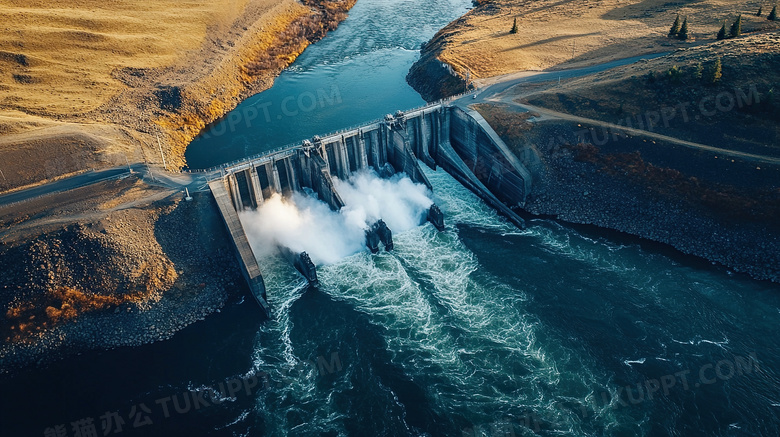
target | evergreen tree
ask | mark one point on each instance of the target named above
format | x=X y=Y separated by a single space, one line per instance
x=675 y=27
x=760 y=11
x=736 y=28
x=722 y=32
x=772 y=15
x=514 y=27
x=683 y=35
x=698 y=72
x=716 y=72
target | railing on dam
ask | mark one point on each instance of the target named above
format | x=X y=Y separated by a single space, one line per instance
x=220 y=169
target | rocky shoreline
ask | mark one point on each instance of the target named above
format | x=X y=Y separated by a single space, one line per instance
x=575 y=189
x=159 y=268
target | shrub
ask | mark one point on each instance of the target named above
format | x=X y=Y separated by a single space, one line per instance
x=698 y=72
x=722 y=32
x=673 y=74
x=716 y=72
x=650 y=77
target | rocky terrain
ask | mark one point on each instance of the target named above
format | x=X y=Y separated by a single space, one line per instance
x=129 y=276
x=646 y=188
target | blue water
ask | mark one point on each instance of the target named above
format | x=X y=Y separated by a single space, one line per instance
x=354 y=75
x=481 y=330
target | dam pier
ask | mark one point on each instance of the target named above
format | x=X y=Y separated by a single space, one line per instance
x=457 y=140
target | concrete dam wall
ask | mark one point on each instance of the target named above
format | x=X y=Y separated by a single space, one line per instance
x=458 y=140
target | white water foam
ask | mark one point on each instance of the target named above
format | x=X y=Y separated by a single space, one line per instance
x=303 y=223
x=462 y=335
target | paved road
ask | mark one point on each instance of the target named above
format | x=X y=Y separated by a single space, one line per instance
x=71 y=183
x=496 y=85
x=198 y=181
x=153 y=176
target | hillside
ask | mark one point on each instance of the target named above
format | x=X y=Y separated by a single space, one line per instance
x=89 y=84
x=656 y=150
x=565 y=34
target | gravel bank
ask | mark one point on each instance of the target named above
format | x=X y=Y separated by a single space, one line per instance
x=579 y=190
x=138 y=276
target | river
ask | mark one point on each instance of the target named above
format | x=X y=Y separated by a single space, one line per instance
x=481 y=330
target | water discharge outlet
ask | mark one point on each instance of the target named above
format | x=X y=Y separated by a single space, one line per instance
x=338 y=194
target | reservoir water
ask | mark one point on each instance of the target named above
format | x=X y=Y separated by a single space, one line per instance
x=481 y=330
x=354 y=75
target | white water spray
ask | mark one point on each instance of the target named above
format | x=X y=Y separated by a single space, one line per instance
x=302 y=223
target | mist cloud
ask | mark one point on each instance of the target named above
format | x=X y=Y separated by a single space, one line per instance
x=302 y=223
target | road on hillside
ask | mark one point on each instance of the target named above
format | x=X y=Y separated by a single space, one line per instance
x=66 y=184
x=492 y=87
x=495 y=87
x=193 y=181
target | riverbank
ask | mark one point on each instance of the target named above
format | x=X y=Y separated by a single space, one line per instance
x=640 y=194
x=703 y=177
x=562 y=35
x=128 y=264
x=97 y=87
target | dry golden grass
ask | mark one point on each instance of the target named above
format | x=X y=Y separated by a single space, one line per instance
x=57 y=58
x=572 y=33
x=90 y=72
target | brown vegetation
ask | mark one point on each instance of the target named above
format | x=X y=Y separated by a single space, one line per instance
x=55 y=307
x=82 y=268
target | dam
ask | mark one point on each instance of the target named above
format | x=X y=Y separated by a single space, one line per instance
x=447 y=136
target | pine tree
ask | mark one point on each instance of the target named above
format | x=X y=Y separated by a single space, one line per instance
x=760 y=11
x=675 y=27
x=772 y=15
x=716 y=72
x=514 y=27
x=736 y=28
x=683 y=35
x=722 y=32
x=698 y=72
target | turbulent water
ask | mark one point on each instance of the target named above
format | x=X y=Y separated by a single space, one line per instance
x=488 y=330
x=480 y=330
x=303 y=223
